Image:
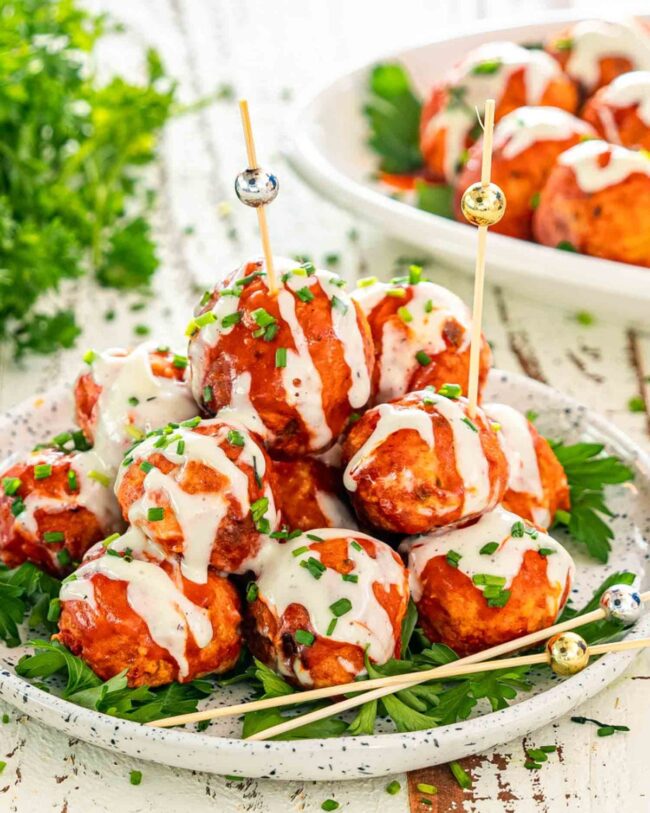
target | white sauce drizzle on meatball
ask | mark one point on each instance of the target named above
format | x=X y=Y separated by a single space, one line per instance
x=526 y=126
x=628 y=90
x=283 y=581
x=200 y=514
x=335 y=511
x=430 y=309
x=506 y=561
x=151 y=593
x=591 y=177
x=459 y=117
x=593 y=40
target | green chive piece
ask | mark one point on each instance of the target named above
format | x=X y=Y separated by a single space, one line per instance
x=518 y=529
x=281 y=357
x=499 y=600
x=304 y=294
x=252 y=592
x=341 y=607
x=142 y=330
x=393 y=787
x=10 y=485
x=245 y=280
x=398 y=293
x=428 y=306
x=207 y=394
x=405 y=314
x=356 y=545
x=53 y=536
x=339 y=304
x=259 y=508
x=471 y=424
x=262 y=317
x=3 y=765
x=89 y=356
x=42 y=471
x=135 y=777
x=133 y=401
x=235 y=438
x=299 y=551
x=17 y=507
x=331 y=626
x=192 y=423
x=536 y=754
x=5 y=718
x=314 y=538
x=482 y=579
x=62 y=438
x=100 y=477
x=548 y=749
x=423 y=359
x=350 y=577
x=54 y=610
x=134 y=432
x=63 y=557
x=546 y=551
x=180 y=447
x=146 y=466
x=488 y=550
x=366 y=282
x=330 y=804
x=232 y=319
x=452 y=391
x=314 y=566
x=304 y=637
x=106 y=542
x=155 y=514
x=415 y=274
x=532 y=765
x=204 y=319
x=179 y=362
x=424 y=787
x=605 y=731
x=460 y=775
x=453 y=558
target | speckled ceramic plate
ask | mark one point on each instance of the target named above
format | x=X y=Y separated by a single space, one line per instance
x=220 y=749
x=326 y=143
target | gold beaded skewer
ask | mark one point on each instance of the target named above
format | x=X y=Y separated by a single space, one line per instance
x=388 y=685
x=483 y=205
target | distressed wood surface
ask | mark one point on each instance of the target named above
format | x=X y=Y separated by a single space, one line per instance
x=271 y=52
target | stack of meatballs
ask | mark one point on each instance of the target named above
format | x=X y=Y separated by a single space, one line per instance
x=309 y=466
x=571 y=139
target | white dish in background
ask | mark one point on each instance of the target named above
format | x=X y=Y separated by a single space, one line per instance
x=327 y=147
x=220 y=750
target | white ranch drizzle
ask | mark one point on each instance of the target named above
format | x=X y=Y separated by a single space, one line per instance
x=241 y=408
x=151 y=593
x=391 y=419
x=583 y=159
x=159 y=400
x=199 y=515
x=335 y=511
x=506 y=561
x=526 y=126
x=283 y=581
x=457 y=121
x=628 y=90
x=592 y=40
x=401 y=340
x=519 y=448
x=332 y=457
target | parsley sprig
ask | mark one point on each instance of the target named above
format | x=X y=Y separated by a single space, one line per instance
x=25 y=591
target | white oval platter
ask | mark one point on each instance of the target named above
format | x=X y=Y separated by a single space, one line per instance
x=326 y=146
x=220 y=750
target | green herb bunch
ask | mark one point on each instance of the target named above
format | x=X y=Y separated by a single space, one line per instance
x=71 y=198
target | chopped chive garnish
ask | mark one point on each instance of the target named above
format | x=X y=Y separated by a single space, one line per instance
x=294 y=534
x=281 y=357
x=10 y=485
x=453 y=558
x=518 y=529
x=331 y=626
x=415 y=274
x=73 y=484
x=405 y=314
x=304 y=637
x=489 y=549
x=298 y=551
x=42 y=470
x=259 y=508
x=460 y=775
x=546 y=551
x=314 y=566
x=180 y=446
x=17 y=507
x=164 y=348
x=398 y=293
x=424 y=787
x=548 y=749
x=179 y=361
x=393 y=787
x=54 y=610
x=63 y=557
x=304 y=294
x=207 y=394
x=500 y=600
x=470 y=423
x=450 y=391
x=339 y=304
x=204 y=319
x=146 y=466
x=428 y=306
x=235 y=438
x=350 y=577
x=250 y=277
x=191 y=328
x=100 y=477
x=532 y=765
x=135 y=777
x=423 y=358
x=89 y=356
x=310 y=268
x=483 y=579
x=191 y=423
x=355 y=545
x=314 y=538
x=366 y=282
x=142 y=330
x=231 y=319
x=329 y=805
x=134 y=432
x=155 y=514
x=106 y=542
x=258 y=479
x=62 y=439
x=133 y=401
x=262 y=317
x=252 y=592
x=270 y=332
x=80 y=442
x=536 y=754
x=53 y=536
x=341 y=607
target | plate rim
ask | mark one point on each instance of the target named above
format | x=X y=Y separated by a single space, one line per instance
x=58 y=712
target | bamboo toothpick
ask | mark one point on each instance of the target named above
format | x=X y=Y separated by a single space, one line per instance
x=261 y=210
x=479 y=275
x=403 y=681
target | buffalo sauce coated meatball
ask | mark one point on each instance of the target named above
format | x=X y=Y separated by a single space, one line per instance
x=125 y=394
x=421 y=462
x=527 y=143
x=309 y=494
x=322 y=601
x=53 y=507
x=620 y=111
x=421 y=332
x=293 y=364
x=486 y=583
x=129 y=607
x=511 y=75
x=594 y=52
x=537 y=484
x=201 y=490
x=585 y=205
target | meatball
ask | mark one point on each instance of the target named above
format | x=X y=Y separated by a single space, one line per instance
x=594 y=52
x=421 y=332
x=511 y=75
x=309 y=495
x=487 y=583
x=420 y=462
x=620 y=112
x=597 y=201
x=128 y=607
x=201 y=490
x=126 y=394
x=537 y=484
x=53 y=507
x=321 y=601
x=293 y=365
x=527 y=143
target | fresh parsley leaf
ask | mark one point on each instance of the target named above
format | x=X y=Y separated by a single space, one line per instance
x=25 y=591
x=393 y=114
x=437 y=199
x=408 y=626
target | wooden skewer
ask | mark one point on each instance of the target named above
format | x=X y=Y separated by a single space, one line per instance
x=448 y=672
x=261 y=210
x=395 y=680
x=479 y=273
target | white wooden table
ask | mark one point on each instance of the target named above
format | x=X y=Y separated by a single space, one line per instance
x=270 y=52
